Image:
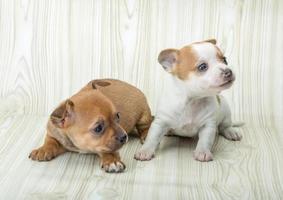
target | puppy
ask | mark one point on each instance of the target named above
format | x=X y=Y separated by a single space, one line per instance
x=190 y=104
x=96 y=120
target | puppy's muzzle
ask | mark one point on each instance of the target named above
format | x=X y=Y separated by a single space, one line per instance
x=227 y=73
x=122 y=138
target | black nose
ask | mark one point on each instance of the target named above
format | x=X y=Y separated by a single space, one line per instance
x=227 y=73
x=122 y=138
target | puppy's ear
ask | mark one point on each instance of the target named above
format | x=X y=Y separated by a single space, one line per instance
x=63 y=115
x=168 y=58
x=213 y=41
x=99 y=83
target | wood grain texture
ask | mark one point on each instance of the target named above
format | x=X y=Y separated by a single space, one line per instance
x=50 y=49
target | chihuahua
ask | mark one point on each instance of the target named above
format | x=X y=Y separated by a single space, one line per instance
x=96 y=120
x=190 y=104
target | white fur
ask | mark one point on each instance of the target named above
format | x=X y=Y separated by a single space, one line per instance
x=190 y=108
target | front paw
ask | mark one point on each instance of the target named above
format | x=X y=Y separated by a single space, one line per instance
x=113 y=167
x=42 y=154
x=203 y=156
x=232 y=134
x=144 y=154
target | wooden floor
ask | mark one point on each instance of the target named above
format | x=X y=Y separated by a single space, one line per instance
x=250 y=169
x=49 y=49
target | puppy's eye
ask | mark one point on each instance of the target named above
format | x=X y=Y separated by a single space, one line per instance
x=225 y=61
x=99 y=128
x=118 y=116
x=202 y=67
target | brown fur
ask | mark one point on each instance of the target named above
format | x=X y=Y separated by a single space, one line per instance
x=186 y=63
x=51 y=149
x=182 y=62
x=71 y=124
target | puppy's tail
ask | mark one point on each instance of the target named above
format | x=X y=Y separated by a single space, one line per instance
x=238 y=124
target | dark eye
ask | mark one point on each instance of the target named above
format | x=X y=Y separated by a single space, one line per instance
x=98 y=128
x=225 y=61
x=202 y=67
x=118 y=116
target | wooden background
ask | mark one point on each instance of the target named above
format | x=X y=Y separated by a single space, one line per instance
x=51 y=48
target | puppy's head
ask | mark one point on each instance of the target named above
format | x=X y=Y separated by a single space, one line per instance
x=201 y=65
x=91 y=122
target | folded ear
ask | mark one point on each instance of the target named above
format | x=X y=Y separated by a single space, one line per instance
x=99 y=83
x=63 y=115
x=168 y=58
x=213 y=41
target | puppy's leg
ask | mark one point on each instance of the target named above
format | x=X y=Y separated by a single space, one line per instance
x=156 y=131
x=230 y=134
x=226 y=128
x=111 y=162
x=50 y=149
x=206 y=139
x=143 y=125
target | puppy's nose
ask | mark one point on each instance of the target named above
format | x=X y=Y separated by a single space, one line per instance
x=227 y=73
x=122 y=138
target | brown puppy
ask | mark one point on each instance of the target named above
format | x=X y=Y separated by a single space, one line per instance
x=96 y=120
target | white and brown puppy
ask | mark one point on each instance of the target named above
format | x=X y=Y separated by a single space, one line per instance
x=190 y=104
x=96 y=120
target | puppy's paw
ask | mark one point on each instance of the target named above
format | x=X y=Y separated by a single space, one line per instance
x=42 y=154
x=232 y=134
x=144 y=154
x=113 y=167
x=203 y=156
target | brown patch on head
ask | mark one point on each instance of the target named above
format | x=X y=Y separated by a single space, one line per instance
x=179 y=62
x=187 y=62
